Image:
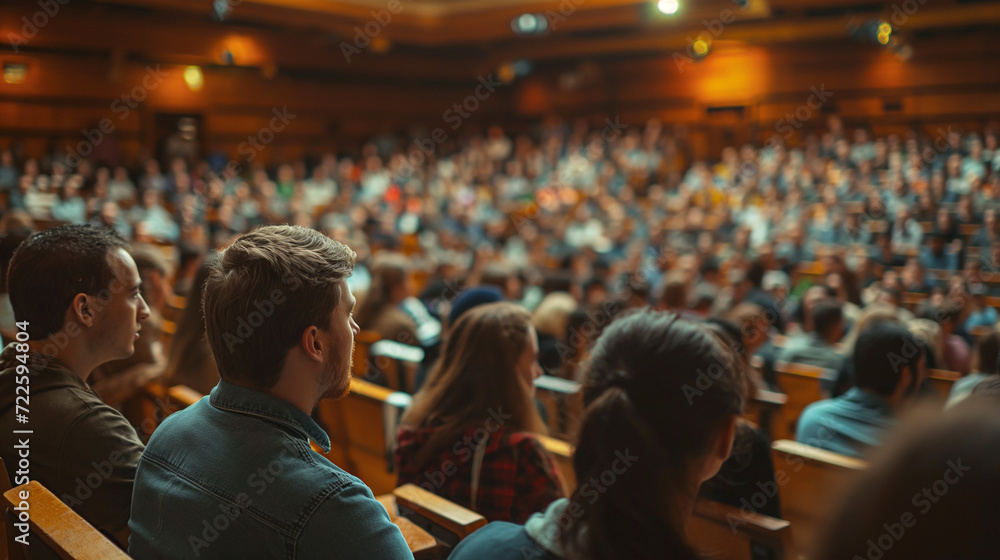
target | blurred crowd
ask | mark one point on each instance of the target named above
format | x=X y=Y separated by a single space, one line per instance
x=596 y=212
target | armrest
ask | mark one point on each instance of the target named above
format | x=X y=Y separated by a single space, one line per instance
x=445 y=514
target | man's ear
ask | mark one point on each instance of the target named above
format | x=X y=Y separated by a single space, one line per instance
x=311 y=344
x=82 y=310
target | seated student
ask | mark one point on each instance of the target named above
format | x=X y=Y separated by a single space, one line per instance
x=467 y=436
x=190 y=361
x=649 y=438
x=77 y=289
x=931 y=493
x=886 y=361
x=817 y=347
x=986 y=367
x=381 y=311
x=233 y=476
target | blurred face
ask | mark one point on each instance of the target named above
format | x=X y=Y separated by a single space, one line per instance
x=527 y=365
x=117 y=320
x=336 y=381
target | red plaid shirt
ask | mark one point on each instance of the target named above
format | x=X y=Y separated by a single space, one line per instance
x=518 y=476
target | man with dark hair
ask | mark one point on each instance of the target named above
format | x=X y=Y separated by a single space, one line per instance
x=886 y=363
x=75 y=293
x=233 y=476
x=817 y=348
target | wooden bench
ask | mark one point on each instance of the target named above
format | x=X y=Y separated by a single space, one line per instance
x=362 y=429
x=182 y=396
x=942 y=380
x=59 y=527
x=446 y=521
x=562 y=452
x=174 y=308
x=720 y=531
x=764 y=409
x=810 y=480
x=421 y=543
x=362 y=342
x=801 y=385
x=397 y=362
x=563 y=402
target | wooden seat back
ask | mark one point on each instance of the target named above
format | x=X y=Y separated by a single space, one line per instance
x=725 y=532
x=563 y=402
x=765 y=409
x=182 y=396
x=59 y=527
x=942 y=380
x=362 y=342
x=396 y=361
x=810 y=479
x=801 y=385
x=422 y=545
x=562 y=452
x=362 y=429
x=446 y=521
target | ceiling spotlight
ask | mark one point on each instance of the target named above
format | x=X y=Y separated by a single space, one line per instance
x=529 y=24
x=700 y=48
x=194 y=78
x=884 y=32
x=668 y=7
x=873 y=30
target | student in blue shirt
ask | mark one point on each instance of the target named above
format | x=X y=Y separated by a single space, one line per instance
x=234 y=476
x=886 y=362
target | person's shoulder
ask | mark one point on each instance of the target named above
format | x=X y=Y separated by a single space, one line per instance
x=521 y=440
x=814 y=412
x=499 y=540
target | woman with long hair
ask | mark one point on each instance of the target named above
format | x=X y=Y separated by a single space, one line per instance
x=190 y=361
x=662 y=397
x=468 y=434
x=380 y=309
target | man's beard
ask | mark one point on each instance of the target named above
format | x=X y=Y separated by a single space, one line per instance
x=331 y=377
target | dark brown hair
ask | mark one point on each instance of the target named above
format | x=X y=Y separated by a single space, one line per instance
x=658 y=388
x=264 y=291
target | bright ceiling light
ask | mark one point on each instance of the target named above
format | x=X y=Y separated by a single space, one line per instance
x=668 y=7
x=194 y=78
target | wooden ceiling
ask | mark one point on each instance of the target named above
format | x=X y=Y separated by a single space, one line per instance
x=449 y=42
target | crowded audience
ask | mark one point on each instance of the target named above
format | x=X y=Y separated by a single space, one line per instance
x=561 y=255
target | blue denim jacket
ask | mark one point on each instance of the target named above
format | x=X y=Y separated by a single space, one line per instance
x=233 y=477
